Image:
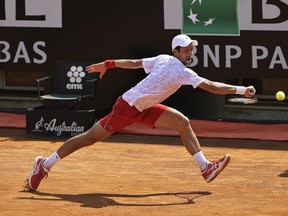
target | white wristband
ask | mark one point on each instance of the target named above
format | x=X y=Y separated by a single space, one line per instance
x=240 y=90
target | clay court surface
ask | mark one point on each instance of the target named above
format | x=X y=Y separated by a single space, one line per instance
x=144 y=175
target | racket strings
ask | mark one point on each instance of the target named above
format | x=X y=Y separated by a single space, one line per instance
x=243 y=100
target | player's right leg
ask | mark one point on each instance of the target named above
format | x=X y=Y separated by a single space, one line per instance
x=172 y=118
x=39 y=171
x=214 y=168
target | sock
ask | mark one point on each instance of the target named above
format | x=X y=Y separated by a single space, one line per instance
x=49 y=162
x=201 y=160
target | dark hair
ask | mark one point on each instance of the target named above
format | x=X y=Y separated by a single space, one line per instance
x=176 y=48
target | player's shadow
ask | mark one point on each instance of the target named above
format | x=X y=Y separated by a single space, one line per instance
x=284 y=174
x=100 y=200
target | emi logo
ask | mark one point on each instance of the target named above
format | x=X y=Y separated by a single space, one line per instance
x=228 y=17
x=75 y=76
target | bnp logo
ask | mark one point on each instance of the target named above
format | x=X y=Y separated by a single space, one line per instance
x=211 y=17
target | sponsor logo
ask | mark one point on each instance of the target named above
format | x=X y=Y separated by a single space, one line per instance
x=39 y=125
x=225 y=17
x=18 y=52
x=200 y=17
x=31 y=13
x=208 y=17
x=58 y=128
x=270 y=15
x=75 y=76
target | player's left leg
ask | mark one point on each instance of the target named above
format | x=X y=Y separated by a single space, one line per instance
x=43 y=165
x=94 y=134
x=121 y=116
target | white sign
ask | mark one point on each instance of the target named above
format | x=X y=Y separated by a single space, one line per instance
x=31 y=13
x=263 y=15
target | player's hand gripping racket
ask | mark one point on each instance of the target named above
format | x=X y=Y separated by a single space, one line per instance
x=243 y=100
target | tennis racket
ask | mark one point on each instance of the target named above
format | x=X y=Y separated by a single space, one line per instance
x=243 y=100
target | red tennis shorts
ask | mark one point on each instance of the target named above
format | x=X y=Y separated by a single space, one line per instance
x=123 y=114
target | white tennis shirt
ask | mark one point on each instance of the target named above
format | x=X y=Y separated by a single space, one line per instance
x=165 y=76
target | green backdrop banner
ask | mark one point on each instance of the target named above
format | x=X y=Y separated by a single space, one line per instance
x=210 y=17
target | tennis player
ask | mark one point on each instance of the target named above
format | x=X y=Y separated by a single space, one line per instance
x=142 y=104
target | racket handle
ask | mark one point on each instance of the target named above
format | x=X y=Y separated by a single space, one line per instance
x=252 y=92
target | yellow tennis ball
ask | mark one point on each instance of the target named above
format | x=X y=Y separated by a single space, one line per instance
x=280 y=95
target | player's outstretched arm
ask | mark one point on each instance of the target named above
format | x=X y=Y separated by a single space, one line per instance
x=99 y=67
x=129 y=63
x=119 y=63
x=223 y=88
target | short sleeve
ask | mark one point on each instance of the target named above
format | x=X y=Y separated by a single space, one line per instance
x=148 y=64
x=192 y=78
